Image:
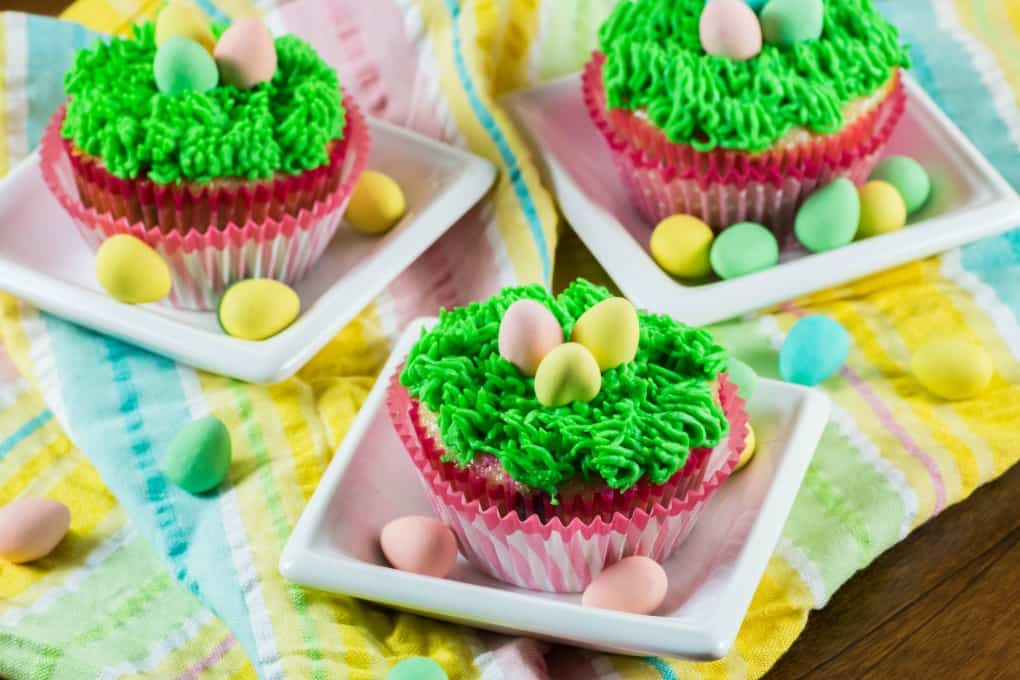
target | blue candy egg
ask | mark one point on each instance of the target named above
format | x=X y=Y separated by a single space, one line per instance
x=756 y=5
x=815 y=348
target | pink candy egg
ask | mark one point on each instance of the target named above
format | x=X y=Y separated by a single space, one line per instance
x=245 y=54
x=527 y=332
x=634 y=584
x=31 y=528
x=422 y=545
x=729 y=28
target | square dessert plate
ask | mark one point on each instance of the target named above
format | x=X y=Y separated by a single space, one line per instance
x=970 y=200
x=44 y=260
x=712 y=576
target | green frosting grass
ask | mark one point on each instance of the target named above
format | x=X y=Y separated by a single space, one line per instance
x=648 y=416
x=654 y=62
x=117 y=113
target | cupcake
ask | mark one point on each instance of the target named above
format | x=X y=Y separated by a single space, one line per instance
x=230 y=153
x=743 y=132
x=610 y=449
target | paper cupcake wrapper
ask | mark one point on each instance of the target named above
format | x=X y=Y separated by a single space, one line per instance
x=204 y=263
x=652 y=148
x=183 y=206
x=487 y=482
x=721 y=205
x=556 y=555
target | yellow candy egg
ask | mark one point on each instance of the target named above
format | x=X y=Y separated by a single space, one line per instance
x=376 y=204
x=182 y=19
x=750 y=444
x=952 y=369
x=255 y=309
x=680 y=245
x=610 y=331
x=567 y=373
x=882 y=209
x=132 y=272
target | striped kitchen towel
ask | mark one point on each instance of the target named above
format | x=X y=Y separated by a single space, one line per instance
x=156 y=583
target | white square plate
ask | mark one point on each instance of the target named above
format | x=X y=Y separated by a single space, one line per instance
x=44 y=261
x=711 y=578
x=970 y=201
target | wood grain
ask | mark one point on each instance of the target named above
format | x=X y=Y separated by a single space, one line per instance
x=52 y=7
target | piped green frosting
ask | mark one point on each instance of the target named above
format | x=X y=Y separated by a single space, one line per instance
x=643 y=424
x=117 y=113
x=655 y=63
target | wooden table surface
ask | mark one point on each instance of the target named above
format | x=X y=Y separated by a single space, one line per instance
x=941 y=605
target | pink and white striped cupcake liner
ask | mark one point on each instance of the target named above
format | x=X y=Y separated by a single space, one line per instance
x=549 y=553
x=203 y=263
x=722 y=186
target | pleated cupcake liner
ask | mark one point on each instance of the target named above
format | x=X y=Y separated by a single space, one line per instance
x=641 y=136
x=722 y=205
x=203 y=263
x=186 y=205
x=548 y=549
x=723 y=187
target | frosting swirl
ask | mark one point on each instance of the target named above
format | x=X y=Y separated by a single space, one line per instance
x=655 y=63
x=117 y=113
x=643 y=424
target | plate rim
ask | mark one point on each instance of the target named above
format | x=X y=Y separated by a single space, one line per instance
x=281 y=356
x=645 y=283
x=302 y=563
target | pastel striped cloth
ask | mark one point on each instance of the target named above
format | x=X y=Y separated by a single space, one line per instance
x=155 y=583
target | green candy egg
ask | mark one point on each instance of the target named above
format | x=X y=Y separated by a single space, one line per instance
x=743 y=376
x=829 y=217
x=182 y=65
x=909 y=178
x=417 y=668
x=788 y=22
x=743 y=249
x=199 y=455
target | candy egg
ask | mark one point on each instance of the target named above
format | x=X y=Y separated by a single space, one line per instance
x=130 y=271
x=255 y=309
x=182 y=65
x=183 y=20
x=417 y=668
x=198 y=456
x=610 y=330
x=634 y=584
x=527 y=332
x=568 y=373
x=882 y=209
x=730 y=28
x=788 y=22
x=814 y=349
x=750 y=444
x=422 y=545
x=909 y=178
x=376 y=204
x=829 y=217
x=743 y=249
x=30 y=528
x=743 y=376
x=952 y=369
x=680 y=245
x=246 y=54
